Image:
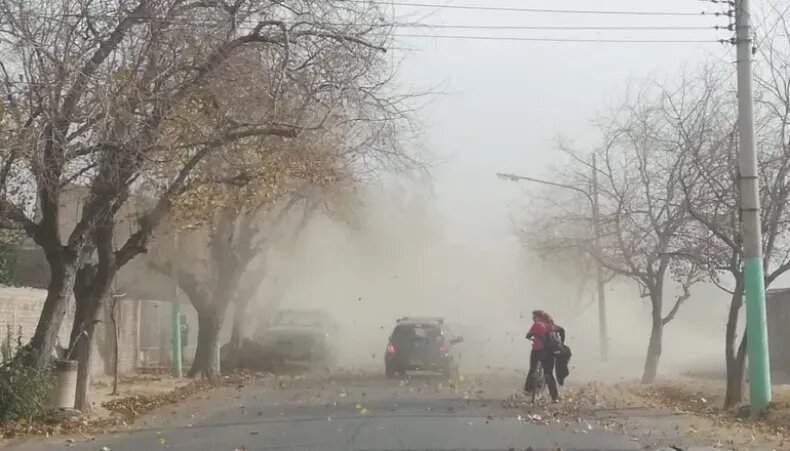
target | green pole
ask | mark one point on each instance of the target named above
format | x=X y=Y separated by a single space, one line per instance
x=176 y=320
x=757 y=338
x=756 y=327
x=176 y=314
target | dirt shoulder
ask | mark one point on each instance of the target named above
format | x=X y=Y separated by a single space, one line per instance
x=664 y=415
x=706 y=398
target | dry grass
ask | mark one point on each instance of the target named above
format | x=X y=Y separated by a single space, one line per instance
x=706 y=398
x=138 y=395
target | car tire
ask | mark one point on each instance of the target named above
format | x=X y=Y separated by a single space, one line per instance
x=390 y=371
x=450 y=372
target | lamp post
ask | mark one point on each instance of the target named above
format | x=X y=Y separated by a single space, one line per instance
x=602 y=326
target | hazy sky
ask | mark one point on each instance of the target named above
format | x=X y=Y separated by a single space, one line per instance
x=507 y=102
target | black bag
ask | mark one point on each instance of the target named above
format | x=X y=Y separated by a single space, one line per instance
x=561 y=367
x=553 y=341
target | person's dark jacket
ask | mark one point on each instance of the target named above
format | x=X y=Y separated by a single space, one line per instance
x=562 y=359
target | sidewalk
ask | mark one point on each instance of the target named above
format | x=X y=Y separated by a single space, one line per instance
x=696 y=406
x=137 y=395
x=646 y=415
x=138 y=385
x=706 y=397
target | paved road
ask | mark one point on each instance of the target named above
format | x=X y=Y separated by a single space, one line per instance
x=349 y=413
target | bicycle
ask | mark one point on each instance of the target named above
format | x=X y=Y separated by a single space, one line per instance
x=535 y=385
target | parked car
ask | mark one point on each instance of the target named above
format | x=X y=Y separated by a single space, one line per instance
x=299 y=336
x=421 y=344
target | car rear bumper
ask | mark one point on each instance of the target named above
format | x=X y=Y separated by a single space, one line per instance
x=302 y=352
x=402 y=364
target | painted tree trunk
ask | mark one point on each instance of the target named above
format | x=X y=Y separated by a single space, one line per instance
x=206 y=354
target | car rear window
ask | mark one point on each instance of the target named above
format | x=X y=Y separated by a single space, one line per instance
x=409 y=333
x=299 y=319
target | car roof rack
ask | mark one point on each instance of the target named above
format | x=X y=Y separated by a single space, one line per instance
x=421 y=319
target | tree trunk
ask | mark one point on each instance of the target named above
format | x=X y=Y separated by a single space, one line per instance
x=653 y=352
x=83 y=352
x=81 y=345
x=206 y=353
x=56 y=305
x=578 y=301
x=736 y=369
x=735 y=359
x=91 y=289
x=211 y=312
x=239 y=318
x=114 y=321
x=654 y=346
x=103 y=342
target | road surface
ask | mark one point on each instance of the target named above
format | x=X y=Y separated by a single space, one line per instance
x=353 y=412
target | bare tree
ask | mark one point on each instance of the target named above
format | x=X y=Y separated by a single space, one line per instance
x=711 y=187
x=103 y=94
x=564 y=257
x=644 y=219
x=212 y=280
x=113 y=314
x=245 y=219
x=254 y=275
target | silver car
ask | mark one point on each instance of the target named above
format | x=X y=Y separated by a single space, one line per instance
x=299 y=336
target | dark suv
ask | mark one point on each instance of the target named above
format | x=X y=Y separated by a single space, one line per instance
x=421 y=344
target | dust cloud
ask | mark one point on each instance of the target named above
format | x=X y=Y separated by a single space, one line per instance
x=396 y=261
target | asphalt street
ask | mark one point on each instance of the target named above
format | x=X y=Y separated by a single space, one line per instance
x=350 y=413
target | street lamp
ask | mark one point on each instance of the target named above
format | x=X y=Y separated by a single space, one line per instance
x=516 y=178
x=602 y=329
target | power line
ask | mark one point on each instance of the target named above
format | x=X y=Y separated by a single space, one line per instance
x=535 y=10
x=188 y=21
x=396 y=25
x=550 y=27
x=372 y=27
x=593 y=40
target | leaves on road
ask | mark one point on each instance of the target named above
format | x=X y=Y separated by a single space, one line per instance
x=124 y=410
x=131 y=407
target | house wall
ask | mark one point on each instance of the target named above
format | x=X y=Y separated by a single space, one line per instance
x=149 y=322
x=778 y=316
x=20 y=309
x=136 y=278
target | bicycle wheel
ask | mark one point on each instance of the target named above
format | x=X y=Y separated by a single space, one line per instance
x=537 y=384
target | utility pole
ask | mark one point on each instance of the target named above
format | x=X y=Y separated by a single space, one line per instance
x=756 y=329
x=176 y=312
x=603 y=333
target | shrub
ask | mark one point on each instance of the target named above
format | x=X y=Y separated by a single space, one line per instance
x=7 y=347
x=24 y=390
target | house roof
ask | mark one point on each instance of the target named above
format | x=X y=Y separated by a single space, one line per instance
x=778 y=292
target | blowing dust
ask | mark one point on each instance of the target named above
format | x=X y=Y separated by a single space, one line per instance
x=397 y=262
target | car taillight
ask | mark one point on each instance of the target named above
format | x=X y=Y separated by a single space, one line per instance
x=443 y=349
x=391 y=348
